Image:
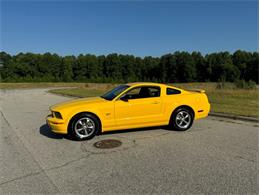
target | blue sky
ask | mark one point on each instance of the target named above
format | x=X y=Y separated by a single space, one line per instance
x=138 y=28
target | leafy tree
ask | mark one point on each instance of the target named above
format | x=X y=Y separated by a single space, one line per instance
x=86 y=67
x=5 y=69
x=252 y=68
x=67 y=68
x=128 y=62
x=164 y=62
x=185 y=67
x=240 y=60
x=222 y=67
x=200 y=66
x=138 y=67
x=172 y=67
x=113 y=68
x=149 y=69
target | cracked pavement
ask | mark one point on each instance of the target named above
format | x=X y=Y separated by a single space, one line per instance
x=213 y=157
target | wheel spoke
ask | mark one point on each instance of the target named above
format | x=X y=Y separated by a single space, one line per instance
x=185 y=122
x=79 y=129
x=80 y=122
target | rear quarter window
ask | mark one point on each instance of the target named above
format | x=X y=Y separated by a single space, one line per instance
x=171 y=91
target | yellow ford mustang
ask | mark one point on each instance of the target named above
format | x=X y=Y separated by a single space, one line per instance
x=129 y=106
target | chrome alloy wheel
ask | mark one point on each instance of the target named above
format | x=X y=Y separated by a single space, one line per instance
x=84 y=127
x=183 y=119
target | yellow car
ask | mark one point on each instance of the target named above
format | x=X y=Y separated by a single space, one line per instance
x=129 y=106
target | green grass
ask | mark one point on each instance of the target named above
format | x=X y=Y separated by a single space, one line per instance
x=237 y=102
x=230 y=100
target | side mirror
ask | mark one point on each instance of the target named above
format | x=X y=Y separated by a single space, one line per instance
x=124 y=98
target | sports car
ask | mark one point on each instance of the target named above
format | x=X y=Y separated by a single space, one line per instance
x=129 y=106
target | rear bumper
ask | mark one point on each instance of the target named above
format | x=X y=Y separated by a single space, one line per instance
x=202 y=113
x=56 y=125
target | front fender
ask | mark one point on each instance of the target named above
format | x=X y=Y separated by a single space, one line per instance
x=67 y=114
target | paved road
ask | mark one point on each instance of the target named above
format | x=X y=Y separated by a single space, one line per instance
x=215 y=156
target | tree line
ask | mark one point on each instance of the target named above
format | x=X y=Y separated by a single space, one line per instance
x=169 y=68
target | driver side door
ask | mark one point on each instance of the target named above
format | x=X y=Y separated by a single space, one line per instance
x=139 y=109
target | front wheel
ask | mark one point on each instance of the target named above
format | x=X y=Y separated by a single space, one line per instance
x=182 y=119
x=84 y=127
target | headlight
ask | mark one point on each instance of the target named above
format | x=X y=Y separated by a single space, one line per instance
x=57 y=115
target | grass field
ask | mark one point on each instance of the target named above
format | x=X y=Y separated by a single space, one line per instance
x=229 y=99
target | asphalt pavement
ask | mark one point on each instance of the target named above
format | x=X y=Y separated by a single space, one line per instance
x=216 y=156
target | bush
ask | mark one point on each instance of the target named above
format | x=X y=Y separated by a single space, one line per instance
x=252 y=84
x=242 y=84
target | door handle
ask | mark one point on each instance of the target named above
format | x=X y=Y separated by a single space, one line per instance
x=156 y=102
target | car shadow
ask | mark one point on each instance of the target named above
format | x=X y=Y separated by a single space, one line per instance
x=136 y=130
x=46 y=131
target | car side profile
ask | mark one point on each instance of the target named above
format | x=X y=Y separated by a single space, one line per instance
x=129 y=106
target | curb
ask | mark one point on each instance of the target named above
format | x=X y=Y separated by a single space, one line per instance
x=243 y=118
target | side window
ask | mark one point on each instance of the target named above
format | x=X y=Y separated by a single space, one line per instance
x=171 y=91
x=154 y=91
x=143 y=92
x=133 y=93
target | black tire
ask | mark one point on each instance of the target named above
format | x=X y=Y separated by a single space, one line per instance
x=176 y=119
x=75 y=124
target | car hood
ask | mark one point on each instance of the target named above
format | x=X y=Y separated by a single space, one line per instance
x=77 y=102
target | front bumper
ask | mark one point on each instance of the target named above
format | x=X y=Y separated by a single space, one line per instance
x=56 y=125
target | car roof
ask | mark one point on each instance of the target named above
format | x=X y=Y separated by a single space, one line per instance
x=152 y=84
x=144 y=83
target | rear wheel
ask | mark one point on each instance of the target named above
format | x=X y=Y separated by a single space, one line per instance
x=182 y=119
x=84 y=126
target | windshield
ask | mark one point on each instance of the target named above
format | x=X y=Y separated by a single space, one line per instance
x=114 y=92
